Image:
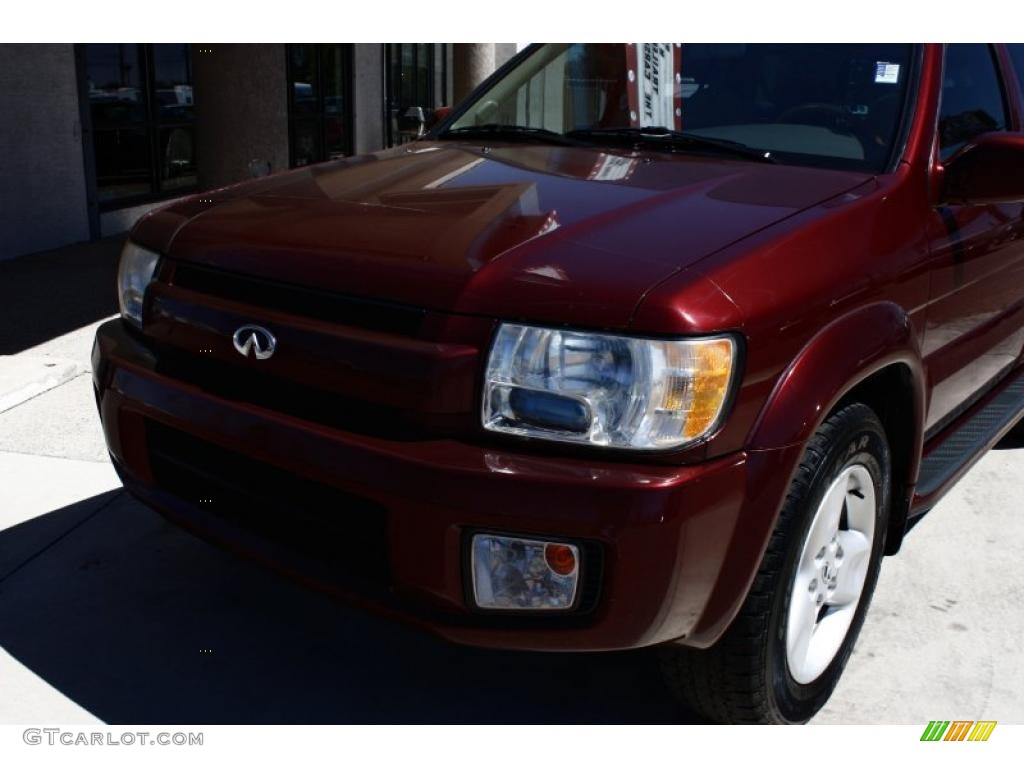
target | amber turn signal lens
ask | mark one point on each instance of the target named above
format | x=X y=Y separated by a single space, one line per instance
x=713 y=363
x=560 y=559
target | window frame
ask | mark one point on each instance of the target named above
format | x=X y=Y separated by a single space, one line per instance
x=319 y=115
x=151 y=124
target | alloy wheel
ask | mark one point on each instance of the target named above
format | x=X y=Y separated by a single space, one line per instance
x=830 y=573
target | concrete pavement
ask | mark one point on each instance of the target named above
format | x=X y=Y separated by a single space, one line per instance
x=107 y=612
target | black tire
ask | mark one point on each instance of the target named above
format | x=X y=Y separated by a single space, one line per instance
x=745 y=677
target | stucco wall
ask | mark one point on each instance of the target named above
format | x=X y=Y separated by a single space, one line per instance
x=472 y=63
x=503 y=52
x=241 y=110
x=42 y=174
x=368 y=96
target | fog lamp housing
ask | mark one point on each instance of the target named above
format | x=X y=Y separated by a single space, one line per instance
x=511 y=573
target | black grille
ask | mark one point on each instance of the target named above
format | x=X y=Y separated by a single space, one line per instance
x=299 y=300
x=345 y=535
x=249 y=385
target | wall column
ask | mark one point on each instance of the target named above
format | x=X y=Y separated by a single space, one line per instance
x=43 y=195
x=368 y=97
x=472 y=63
x=241 y=110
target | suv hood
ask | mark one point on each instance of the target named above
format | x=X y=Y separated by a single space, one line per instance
x=541 y=232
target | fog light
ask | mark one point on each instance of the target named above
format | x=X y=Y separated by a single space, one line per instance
x=524 y=574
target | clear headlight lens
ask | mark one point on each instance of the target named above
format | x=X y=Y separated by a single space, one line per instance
x=608 y=390
x=133 y=275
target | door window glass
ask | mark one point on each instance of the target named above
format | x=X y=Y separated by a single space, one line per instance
x=972 y=99
x=1017 y=57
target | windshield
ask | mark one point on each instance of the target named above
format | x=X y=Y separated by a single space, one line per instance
x=831 y=105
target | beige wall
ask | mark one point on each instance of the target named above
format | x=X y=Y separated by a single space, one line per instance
x=503 y=52
x=241 y=110
x=368 y=97
x=42 y=172
x=472 y=63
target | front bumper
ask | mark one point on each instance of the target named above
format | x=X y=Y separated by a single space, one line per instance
x=678 y=546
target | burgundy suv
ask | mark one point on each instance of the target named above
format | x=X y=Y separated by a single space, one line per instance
x=646 y=344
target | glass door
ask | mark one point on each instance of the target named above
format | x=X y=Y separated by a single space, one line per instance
x=319 y=102
x=409 y=73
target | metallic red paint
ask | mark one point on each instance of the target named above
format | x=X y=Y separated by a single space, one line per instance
x=827 y=277
x=457 y=227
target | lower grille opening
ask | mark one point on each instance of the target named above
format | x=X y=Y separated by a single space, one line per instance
x=345 y=535
x=320 y=531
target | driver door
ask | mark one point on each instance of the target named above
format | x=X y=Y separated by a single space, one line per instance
x=975 y=325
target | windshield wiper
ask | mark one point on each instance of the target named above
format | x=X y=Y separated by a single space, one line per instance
x=508 y=133
x=659 y=136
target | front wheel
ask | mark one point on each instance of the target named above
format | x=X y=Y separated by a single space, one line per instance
x=782 y=656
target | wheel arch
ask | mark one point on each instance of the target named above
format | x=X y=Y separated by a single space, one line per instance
x=870 y=356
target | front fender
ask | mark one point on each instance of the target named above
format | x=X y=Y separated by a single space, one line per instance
x=839 y=357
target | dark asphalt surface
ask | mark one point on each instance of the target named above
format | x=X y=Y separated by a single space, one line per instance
x=140 y=622
x=45 y=295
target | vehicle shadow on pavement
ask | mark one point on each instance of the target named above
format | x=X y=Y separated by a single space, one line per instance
x=48 y=294
x=139 y=622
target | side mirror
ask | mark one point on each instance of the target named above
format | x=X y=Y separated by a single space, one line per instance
x=412 y=122
x=437 y=116
x=987 y=171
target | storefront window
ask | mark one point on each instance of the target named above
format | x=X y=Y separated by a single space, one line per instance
x=319 y=102
x=141 y=109
x=411 y=70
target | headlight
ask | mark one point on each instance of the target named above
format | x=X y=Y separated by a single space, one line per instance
x=133 y=275
x=601 y=389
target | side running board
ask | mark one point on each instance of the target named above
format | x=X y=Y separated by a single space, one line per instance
x=963 y=443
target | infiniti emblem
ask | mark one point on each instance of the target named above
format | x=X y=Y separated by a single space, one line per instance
x=255 y=339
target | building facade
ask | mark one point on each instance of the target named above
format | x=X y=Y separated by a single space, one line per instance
x=94 y=135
